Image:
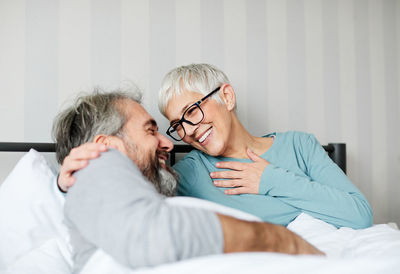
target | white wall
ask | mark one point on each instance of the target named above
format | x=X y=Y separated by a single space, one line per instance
x=329 y=67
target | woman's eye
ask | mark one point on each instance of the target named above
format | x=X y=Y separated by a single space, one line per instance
x=192 y=110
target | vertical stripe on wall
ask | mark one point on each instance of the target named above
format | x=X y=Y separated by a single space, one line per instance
x=392 y=105
x=257 y=74
x=162 y=47
x=41 y=70
x=378 y=112
x=135 y=51
x=296 y=64
x=235 y=52
x=106 y=43
x=212 y=32
x=331 y=68
x=348 y=96
x=74 y=51
x=188 y=32
x=277 y=101
x=363 y=91
x=12 y=70
x=314 y=95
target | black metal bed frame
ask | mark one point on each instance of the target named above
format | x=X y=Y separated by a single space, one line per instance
x=336 y=151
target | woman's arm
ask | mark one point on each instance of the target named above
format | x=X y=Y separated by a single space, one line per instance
x=326 y=193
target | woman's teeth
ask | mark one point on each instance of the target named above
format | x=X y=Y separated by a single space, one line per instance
x=205 y=135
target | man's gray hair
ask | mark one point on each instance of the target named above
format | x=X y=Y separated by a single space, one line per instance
x=97 y=113
x=202 y=78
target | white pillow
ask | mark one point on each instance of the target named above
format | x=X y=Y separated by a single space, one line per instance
x=31 y=208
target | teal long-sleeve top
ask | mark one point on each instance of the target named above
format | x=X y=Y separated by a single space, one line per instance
x=300 y=178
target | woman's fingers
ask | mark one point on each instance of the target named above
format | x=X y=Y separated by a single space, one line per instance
x=227 y=183
x=77 y=159
x=227 y=174
x=87 y=151
x=236 y=191
x=231 y=165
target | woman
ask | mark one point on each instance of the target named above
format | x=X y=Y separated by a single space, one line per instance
x=293 y=173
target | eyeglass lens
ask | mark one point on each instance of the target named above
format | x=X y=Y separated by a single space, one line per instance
x=194 y=115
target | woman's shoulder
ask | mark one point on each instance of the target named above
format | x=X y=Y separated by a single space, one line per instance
x=293 y=136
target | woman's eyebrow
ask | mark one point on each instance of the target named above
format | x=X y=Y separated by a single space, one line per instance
x=182 y=111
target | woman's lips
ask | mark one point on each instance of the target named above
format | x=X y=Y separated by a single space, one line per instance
x=204 y=139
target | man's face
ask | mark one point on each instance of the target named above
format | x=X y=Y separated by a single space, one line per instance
x=147 y=148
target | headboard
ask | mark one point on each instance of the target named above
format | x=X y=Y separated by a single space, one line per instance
x=336 y=151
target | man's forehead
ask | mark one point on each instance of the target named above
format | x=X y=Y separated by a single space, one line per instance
x=140 y=114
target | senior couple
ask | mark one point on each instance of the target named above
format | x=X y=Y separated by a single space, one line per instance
x=116 y=202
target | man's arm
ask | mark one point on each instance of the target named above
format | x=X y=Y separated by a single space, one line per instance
x=241 y=236
x=116 y=209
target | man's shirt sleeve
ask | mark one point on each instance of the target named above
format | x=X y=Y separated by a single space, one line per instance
x=115 y=208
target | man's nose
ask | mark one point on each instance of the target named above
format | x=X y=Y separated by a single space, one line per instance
x=164 y=143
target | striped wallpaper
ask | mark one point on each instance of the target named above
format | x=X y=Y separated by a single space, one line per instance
x=330 y=67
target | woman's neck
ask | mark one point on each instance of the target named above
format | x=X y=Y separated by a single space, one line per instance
x=240 y=139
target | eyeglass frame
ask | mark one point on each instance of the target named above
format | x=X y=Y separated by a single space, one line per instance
x=183 y=120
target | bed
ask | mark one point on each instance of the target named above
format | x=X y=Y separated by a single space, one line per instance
x=33 y=238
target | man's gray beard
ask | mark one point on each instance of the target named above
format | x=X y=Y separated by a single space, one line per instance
x=165 y=180
x=168 y=182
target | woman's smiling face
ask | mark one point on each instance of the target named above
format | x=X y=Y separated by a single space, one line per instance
x=211 y=135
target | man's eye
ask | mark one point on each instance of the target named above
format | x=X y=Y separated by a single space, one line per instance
x=152 y=131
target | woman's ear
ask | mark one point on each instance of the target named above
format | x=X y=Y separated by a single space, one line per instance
x=227 y=95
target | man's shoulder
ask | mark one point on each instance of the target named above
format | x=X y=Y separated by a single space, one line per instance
x=111 y=165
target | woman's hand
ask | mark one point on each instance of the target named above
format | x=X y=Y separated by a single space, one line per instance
x=77 y=159
x=243 y=177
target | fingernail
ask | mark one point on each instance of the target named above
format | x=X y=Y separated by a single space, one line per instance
x=217 y=164
x=212 y=174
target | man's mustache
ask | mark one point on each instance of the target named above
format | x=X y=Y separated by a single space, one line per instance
x=163 y=154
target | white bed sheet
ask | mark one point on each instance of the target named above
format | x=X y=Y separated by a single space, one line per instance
x=372 y=250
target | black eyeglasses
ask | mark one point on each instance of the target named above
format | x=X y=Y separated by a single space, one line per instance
x=192 y=116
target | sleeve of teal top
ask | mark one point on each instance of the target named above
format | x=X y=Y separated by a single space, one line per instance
x=326 y=193
x=194 y=181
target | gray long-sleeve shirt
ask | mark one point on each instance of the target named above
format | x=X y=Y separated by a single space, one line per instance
x=113 y=207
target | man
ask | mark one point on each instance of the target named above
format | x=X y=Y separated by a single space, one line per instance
x=113 y=207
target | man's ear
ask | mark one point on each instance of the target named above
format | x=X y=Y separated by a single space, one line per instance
x=102 y=139
x=227 y=95
x=110 y=141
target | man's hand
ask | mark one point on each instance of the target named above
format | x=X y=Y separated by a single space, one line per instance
x=241 y=236
x=77 y=159
x=243 y=177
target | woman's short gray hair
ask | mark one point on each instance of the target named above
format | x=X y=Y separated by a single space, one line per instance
x=202 y=78
x=97 y=113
